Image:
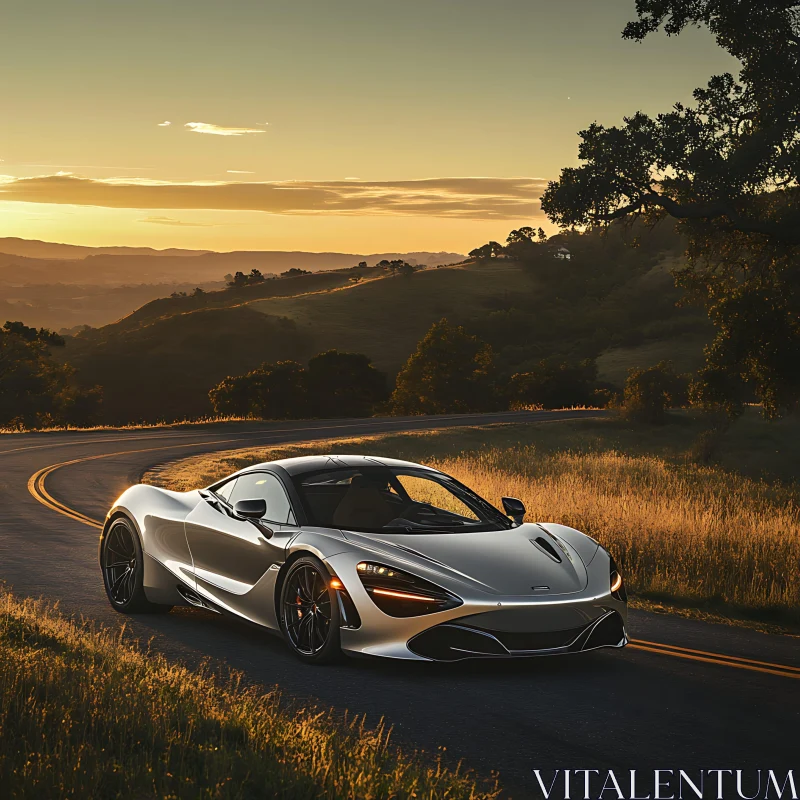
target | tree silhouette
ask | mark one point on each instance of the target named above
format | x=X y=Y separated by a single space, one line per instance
x=451 y=371
x=490 y=250
x=34 y=389
x=553 y=384
x=650 y=392
x=273 y=391
x=727 y=169
x=334 y=385
x=344 y=385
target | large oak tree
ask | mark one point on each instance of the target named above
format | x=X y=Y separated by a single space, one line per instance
x=726 y=167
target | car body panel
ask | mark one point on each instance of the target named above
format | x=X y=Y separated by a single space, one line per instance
x=530 y=589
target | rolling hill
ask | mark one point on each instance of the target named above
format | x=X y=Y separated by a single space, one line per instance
x=25 y=261
x=618 y=308
x=386 y=318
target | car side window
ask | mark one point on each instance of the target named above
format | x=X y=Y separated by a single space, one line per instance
x=225 y=490
x=263 y=485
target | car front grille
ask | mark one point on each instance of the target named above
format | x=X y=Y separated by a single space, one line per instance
x=451 y=641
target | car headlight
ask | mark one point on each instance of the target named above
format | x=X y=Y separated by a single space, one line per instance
x=400 y=594
x=617 y=584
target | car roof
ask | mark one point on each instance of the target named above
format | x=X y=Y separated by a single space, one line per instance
x=303 y=464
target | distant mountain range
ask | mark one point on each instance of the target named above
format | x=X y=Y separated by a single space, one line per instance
x=26 y=261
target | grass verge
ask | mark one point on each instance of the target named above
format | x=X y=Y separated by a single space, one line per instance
x=86 y=713
x=702 y=537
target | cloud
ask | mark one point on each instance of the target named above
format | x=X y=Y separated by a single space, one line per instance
x=165 y=124
x=240 y=172
x=176 y=222
x=467 y=198
x=220 y=130
x=84 y=166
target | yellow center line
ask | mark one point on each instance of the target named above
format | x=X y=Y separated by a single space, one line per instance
x=36 y=483
x=689 y=650
x=720 y=661
x=37 y=488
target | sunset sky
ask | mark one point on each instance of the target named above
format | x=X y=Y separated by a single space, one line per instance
x=358 y=126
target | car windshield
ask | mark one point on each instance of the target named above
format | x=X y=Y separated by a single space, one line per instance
x=384 y=499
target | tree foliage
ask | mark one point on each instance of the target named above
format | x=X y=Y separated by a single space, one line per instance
x=273 y=391
x=35 y=390
x=334 y=385
x=486 y=251
x=240 y=279
x=727 y=169
x=650 y=392
x=344 y=385
x=451 y=371
x=554 y=384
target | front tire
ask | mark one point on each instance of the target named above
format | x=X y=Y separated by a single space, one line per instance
x=309 y=612
x=122 y=565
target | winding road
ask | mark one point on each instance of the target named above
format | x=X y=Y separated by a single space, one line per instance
x=685 y=695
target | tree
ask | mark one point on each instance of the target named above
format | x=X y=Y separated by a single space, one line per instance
x=35 y=390
x=490 y=250
x=521 y=236
x=254 y=277
x=727 y=169
x=397 y=267
x=406 y=270
x=650 y=392
x=334 y=385
x=239 y=280
x=451 y=371
x=273 y=391
x=290 y=273
x=344 y=385
x=526 y=244
x=551 y=384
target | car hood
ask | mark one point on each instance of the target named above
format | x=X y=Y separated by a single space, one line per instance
x=519 y=561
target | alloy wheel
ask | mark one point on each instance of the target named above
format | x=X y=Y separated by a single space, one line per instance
x=307 y=609
x=120 y=562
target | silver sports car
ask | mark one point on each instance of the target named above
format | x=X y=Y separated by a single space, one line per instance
x=366 y=556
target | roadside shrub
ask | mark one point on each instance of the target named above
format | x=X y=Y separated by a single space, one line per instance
x=551 y=384
x=650 y=392
x=334 y=385
x=450 y=372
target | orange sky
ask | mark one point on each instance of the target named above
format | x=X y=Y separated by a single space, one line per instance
x=358 y=126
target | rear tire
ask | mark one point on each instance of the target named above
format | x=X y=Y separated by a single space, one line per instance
x=309 y=612
x=122 y=565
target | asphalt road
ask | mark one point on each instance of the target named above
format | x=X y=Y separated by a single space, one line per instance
x=702 y=696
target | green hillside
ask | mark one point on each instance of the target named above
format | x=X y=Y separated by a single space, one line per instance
x=163 y=371
x=235 y=296
x=612 y=303
x=386 y=318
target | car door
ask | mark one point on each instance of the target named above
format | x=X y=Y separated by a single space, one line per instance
x=232 y=553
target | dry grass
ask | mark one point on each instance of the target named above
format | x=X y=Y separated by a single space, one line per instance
x=133 y=426
x=84 y=713
x=698 y=534
x=703 y=536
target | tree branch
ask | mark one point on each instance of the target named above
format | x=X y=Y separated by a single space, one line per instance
x=788 y=234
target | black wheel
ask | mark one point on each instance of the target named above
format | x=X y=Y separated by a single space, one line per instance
x=309 y=612
x=122 y=563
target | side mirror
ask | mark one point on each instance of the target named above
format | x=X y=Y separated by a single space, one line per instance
x=250 y=509
x=515 y=509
